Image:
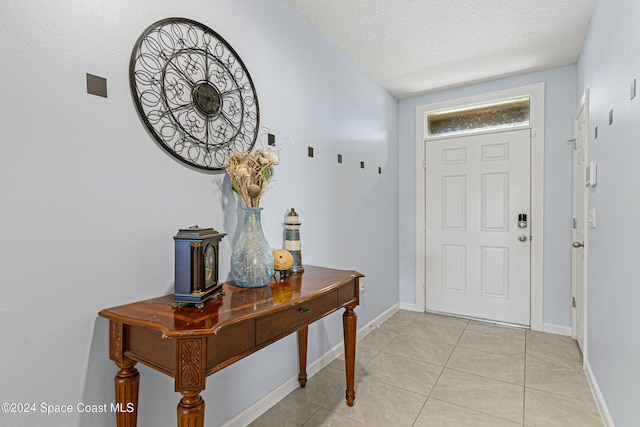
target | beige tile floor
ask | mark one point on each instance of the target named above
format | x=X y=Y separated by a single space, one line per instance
x=421 y=369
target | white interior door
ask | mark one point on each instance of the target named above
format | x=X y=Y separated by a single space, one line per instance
x=477 y=256
x=578 y=234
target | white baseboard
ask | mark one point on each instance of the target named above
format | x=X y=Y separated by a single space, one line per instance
x=556 y=329
x=597 y=395
x=408 y=306
x=364 y=331
x=263 y=405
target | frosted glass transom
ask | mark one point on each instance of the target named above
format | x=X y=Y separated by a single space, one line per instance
x=500 y=115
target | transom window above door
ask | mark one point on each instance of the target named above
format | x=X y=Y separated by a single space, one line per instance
x=500 y=115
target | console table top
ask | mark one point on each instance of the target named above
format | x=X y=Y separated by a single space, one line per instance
x=237 y=304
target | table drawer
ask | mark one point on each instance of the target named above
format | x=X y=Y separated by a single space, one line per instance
x=293 y=318
x=348 y=292
x=230 y=344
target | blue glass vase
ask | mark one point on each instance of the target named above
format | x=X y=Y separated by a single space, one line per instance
x=252 y=258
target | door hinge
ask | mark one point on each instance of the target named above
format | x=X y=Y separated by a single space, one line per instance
x=573 y=302
x=574 y=223
x=424 y=163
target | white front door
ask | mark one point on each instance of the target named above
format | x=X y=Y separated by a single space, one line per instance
x=578 y=234
x=477 y=253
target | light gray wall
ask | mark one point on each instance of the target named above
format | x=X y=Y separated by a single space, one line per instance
x=610 y=61
x=89 y=203
x=560 y=104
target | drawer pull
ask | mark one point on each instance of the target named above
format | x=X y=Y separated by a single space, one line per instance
x=305 y=310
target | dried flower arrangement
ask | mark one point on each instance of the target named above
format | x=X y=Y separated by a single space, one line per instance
x=250 y=174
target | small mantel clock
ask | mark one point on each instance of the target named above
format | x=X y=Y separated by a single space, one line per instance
x=196 y=266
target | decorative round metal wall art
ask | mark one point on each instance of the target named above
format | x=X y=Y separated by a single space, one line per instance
x=193 y=93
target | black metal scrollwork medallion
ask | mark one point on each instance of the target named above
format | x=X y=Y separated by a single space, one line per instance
x=193 y=93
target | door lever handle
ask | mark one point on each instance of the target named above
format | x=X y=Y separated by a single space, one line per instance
x=577 y=244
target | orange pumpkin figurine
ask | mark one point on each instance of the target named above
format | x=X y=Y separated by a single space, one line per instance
x=282 y=262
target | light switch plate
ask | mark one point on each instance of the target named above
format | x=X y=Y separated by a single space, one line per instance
x=592 y=217
x=591 y=175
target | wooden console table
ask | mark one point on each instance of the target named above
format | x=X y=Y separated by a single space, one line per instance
x=189 y=343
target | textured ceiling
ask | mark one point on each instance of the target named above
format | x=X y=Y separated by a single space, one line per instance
x=418 y=46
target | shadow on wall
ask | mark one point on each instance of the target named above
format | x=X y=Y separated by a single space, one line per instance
x=98 y=387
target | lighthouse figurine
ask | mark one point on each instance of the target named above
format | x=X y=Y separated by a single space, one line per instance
x=292 y=240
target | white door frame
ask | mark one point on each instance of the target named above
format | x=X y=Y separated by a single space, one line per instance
x=536 y=94
x=583 y=106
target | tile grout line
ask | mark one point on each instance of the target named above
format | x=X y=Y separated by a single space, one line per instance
x=475 y=375
x=312 y=415
x=474 y=410
x=439 y=375
x=486 y=352
x=397 y=333
x=492 y=353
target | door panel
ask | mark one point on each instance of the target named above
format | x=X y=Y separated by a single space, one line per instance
x=475 y=263
x=454 y=208
x=495 y=200
x=454 y=268
x=495 y=272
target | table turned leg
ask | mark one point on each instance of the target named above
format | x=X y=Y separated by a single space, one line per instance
x=302 y=355
x=127 y=383
x=191 y=410
x=349 y=325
